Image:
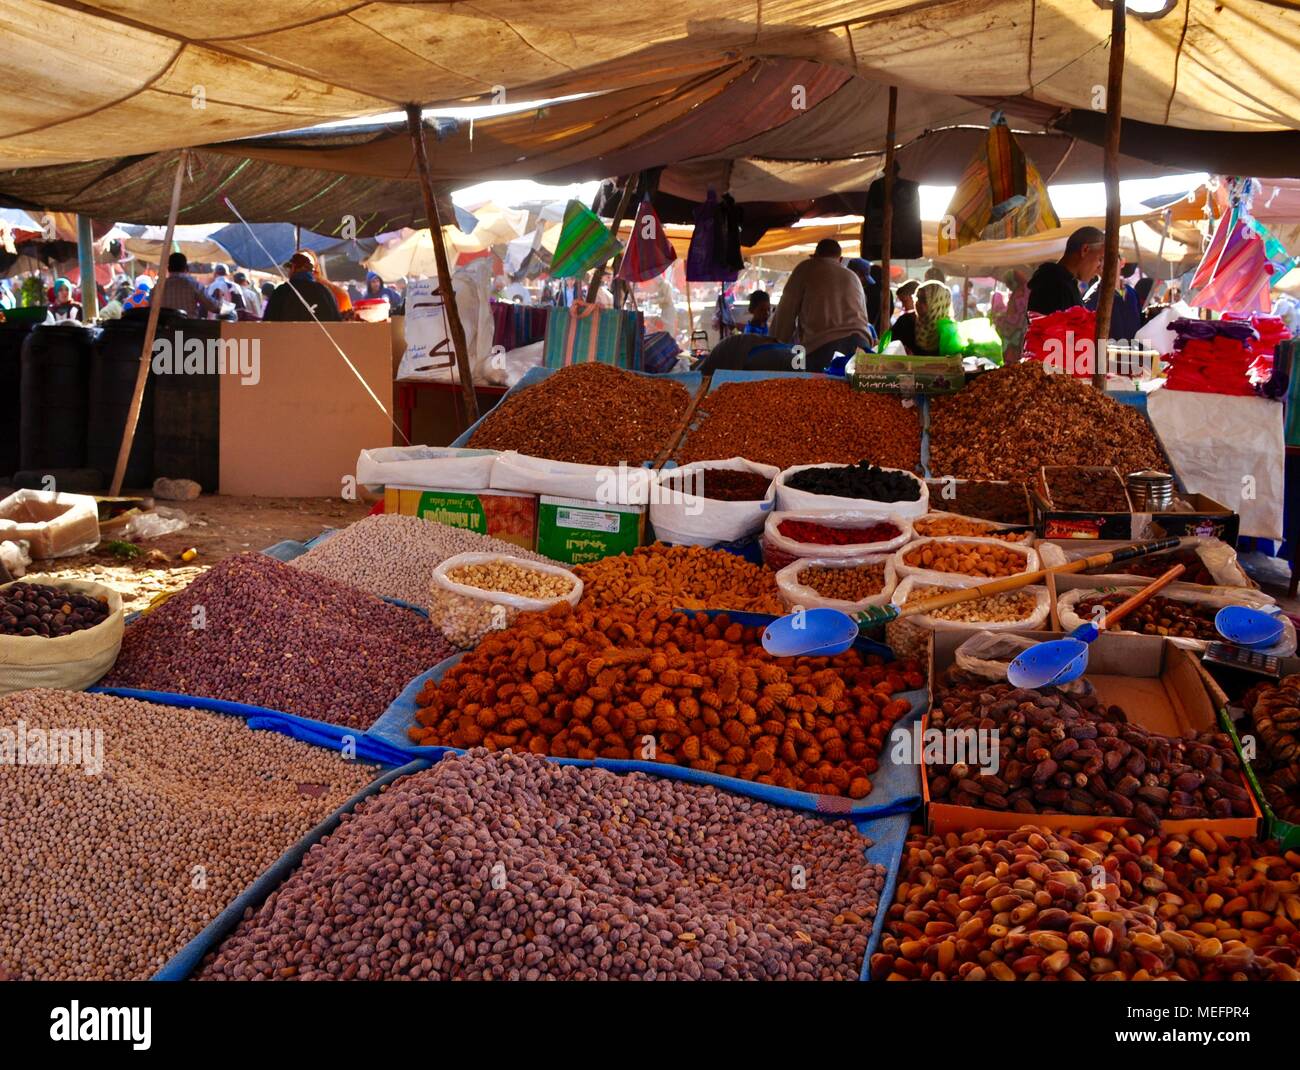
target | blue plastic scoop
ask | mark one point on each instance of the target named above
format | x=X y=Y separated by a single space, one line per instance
x=1253 y=628
x=810 y=633
x=1062 y=660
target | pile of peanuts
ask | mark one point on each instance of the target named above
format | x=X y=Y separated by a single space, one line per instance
x=960 y=525
x=464 y=619
x=1062 y=753
x=850 y=583
x=589 y=414
x=966 y=558
x=676 y=689
x=255 y=630
x=1009 y=423
x=1033 y=904
x=1275 y=713
x=107 y=871
x=680 y=577
x=507 y=866
x=785 y=422
x=393 y=556
x=1000 y=608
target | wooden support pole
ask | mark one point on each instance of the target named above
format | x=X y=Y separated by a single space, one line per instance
x=86 y=263
x=151 y=329
x=454 y=327
x=887 y=215
x=1110 y=171
x=620 y=212
x=965 y=294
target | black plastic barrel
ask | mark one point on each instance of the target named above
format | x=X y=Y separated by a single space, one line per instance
x=114 y=368
x=12 y=336
x=187 y=417
x=54 y=397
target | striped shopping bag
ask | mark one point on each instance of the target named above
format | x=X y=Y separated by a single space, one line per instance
x=1233 y=276
x=582 y=333
x=584 y=243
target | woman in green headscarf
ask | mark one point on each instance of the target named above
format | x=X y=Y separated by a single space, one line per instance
x=936 y=330
x=63 y=307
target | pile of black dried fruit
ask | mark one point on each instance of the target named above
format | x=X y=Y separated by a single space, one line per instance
x=33 y=609
x=861 y=480
x=1061 y=753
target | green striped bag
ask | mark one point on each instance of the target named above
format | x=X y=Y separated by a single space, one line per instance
x=583 y=333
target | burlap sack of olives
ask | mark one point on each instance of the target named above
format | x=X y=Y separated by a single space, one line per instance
x=72 y=662
x=473 y=594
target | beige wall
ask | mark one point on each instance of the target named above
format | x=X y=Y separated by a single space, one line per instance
x=297 y=431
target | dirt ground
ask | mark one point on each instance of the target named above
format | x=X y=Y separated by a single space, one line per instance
x=219 y=526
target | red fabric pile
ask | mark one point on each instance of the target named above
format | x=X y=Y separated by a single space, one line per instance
x=1271 y=331
x=1227 y=356
x=1063 y=341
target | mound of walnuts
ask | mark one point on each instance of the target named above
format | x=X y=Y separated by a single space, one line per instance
x=674 y=688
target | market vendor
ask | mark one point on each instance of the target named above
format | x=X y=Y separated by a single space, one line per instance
x=904 y=328
x=376 y=287
x=934 y=328
x=760 y=311
x=1057 y=285
x=62 y=307
x=302 y=297
x=826 y=305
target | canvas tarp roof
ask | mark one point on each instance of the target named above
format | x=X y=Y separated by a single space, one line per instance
x=1209 y=64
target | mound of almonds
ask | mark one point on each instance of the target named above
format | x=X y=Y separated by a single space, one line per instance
x=966 y=558
x=804 y=420
x=850 y=583
x=107 y=870
x=393 y=556
x=588 y=414
x=681 y=577
x=1008 y=423
x=671 y=688
x=1091 y=906
x=257 y=631
x=508 y=866
x=1062 y=753
x=37 y=609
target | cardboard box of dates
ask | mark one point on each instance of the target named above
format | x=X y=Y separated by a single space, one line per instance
x=1063 y=510
x=1159 y=688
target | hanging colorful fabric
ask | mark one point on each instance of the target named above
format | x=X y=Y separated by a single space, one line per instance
x=1233 y=276
x=584 y=243
x=1000 y=195
x=649 y=252
x=707 y=258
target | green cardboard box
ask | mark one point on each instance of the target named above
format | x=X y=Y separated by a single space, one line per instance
x=572 y=531
x=504 y=515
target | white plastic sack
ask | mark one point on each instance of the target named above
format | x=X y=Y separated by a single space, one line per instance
x=428 y=342
x=465 y=614
x=690 y=520
x=14 y=557
x=909 y=635
x=621 y=485
x=70 y=662
x=1219 y=558
x=796 y=595
x=789 y=499
x=506 y=369
x=444 y=467
x=988 y=654
x=1216 y=597
x=935 y=577
x=779 y=550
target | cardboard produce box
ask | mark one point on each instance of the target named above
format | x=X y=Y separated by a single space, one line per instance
x=574 y=531
x=504 y=515
x=1158 y=685
x=1206 y=518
